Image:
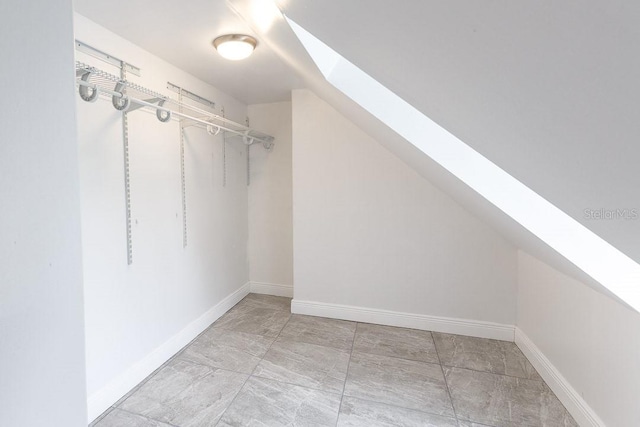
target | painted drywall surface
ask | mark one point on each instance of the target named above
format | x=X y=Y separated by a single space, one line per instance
x=461 y=30
x=42 y=376
x=528 y=85
x=131 y=310
x=270 y=200
x=370 y=232
x=263 y=78
x=591 y=339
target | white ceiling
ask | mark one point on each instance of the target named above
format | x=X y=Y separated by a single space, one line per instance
x=181 y=33
x=547 y=90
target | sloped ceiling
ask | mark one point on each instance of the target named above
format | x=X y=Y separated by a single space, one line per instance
x=546 y=90
x=513 y=82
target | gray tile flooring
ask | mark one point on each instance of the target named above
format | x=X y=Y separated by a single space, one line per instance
x=258 y=365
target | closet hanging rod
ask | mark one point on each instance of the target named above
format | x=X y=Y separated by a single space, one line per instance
x=208 y=113
x=129 y=103
x=200 y=110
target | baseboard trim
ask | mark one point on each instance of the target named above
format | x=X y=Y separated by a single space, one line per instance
x=272 y=289
x=472 y=328
x=101 y=400
x=570 y=398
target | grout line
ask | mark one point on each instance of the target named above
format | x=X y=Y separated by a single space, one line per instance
x=254 y=369
x=215 y=368
x=344 y=385
x=295 y=340
x=494 y=373
x=444 y=377
x=346 y=376
x=145 y=416
x=342 y=395
x=500 y=342
x=155 y=372
x=271 y=345
x=119 y=402
x=296 y=385
x=476 y=423
x=402 y=407
x=164 y=365
x=396 y=357
x=253 y=374
x=302 y=340
x=137 y=387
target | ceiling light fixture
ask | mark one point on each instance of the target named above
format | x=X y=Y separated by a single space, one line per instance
x=235 y=46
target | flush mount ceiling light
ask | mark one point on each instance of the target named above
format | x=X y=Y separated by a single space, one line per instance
x=235 y=46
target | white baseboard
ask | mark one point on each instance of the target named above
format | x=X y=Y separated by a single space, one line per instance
x=570 y=398
x=101 y=400
x=473 y=328
x=272 y=289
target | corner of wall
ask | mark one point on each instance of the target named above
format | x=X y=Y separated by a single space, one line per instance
x=101 y=400
x=579 y=409
x=560 y=324
x=370 y=231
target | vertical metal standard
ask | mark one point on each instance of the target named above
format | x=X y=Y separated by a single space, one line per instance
x=248 y=166
x=248 y=159
x=127 y=175
x=182 y=175
x=224 y=155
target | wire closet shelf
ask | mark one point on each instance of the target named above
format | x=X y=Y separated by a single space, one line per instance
x=127 y=96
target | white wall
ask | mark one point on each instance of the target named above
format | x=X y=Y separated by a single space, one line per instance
x=370 y=232
x=533 y=86
x=591 y=339
x=270 y=203
x=42 y=378
x=138 y=315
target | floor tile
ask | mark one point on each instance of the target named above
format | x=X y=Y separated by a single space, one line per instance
x=263 y=402
x=498 y=357
x=119 y=418
x=471 y=424
x=504 y=401
x=392 y=377
x=307 y=365
x=361 y=413
x=253 y=319
x=267 y=301
x=404 y=343
x=321 y=331
x=186 y=394
x=234 y=351
x=406 y=383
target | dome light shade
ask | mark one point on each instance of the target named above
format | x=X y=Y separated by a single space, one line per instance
x=235 y=46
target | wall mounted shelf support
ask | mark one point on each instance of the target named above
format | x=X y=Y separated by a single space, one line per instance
x=128 y=97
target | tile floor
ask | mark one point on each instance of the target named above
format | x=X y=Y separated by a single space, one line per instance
x=258 y=365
